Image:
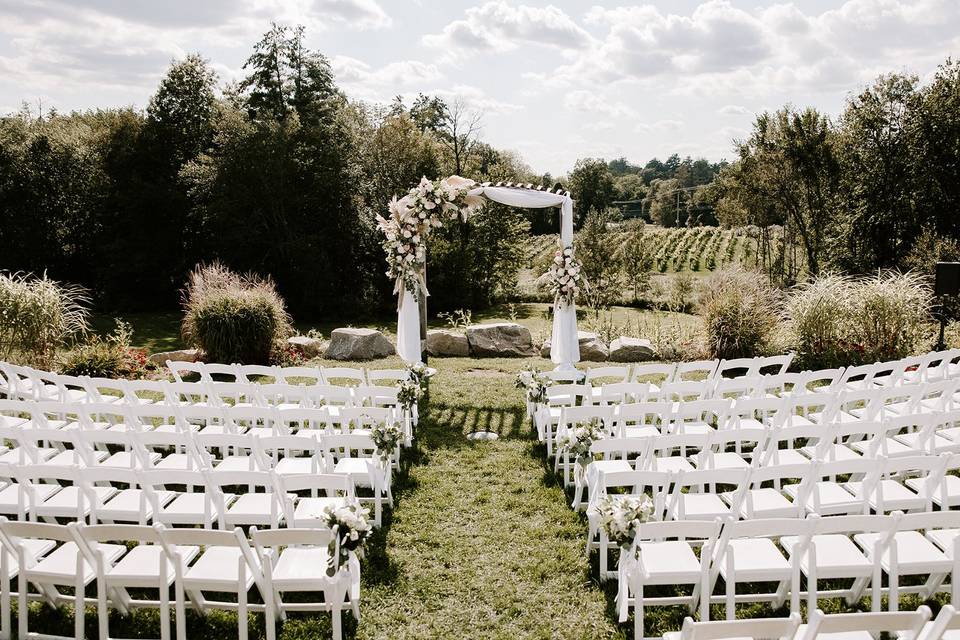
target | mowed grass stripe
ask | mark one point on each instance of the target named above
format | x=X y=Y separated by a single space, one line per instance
x=481 y=543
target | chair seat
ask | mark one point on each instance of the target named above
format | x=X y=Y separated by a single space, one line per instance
x=699 y=506
x=896 y=497
x=722 y=460
x=757 y=560
x=175 y=461
x=844 y=635
x=938 y=443
x=60 y=565
x=140 y=568
x=890 y=448
x=217 y=569
x=669 y=562
x=640 y=431
x=10 y=496
x=832 y=497
x=837 y=557
x=945 y=539
x=915 y=553
x=833 y=453
x=296 y=466
x=125 y=506
x=789 y=456
x=127 y=460
x=301 y=568
x=766 y=502
x=253 y=509
x=692 y=428
x=952 y=485
x=671 y=464
x=188 y=508
x=66 y=503
x=72 y=458
x=237 y=463
x=356 y=468
x=34 y=548
x=309 y=511
x=18 y=455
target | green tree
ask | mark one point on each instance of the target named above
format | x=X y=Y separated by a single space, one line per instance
x=878 y=223
x=637 y=262
x=180 y=113
x=592 y=187
x=601 y=263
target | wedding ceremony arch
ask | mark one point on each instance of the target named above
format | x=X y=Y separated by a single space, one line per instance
x=426 y=207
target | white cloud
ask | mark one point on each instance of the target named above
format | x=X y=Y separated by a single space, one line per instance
x=499 y=26
x=591 y=102
x=361 y=14
x=361 y=80
x=666 y=125
x=476 y=99
x=733 y=110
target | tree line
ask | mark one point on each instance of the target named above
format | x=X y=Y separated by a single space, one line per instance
x=277 y=174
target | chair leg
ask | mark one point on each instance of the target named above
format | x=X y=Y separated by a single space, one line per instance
x=4 y=596
x=103 y=613
x=79 y=609
x=336 y=621
x=180 y=609
x=22 y=611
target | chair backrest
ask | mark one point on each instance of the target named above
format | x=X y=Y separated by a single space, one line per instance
x=180 y=368
x=736 y=388
x=103 y=389
x=615 y=373
x=859 y=377
x=568 y=394
x=387 y=375
x=655 y=373
x=737 y=368
x=342 y=373
x=230 y=394
x=375 y=396
x=299 y=375
x=823 y=380
x=756 y=628
x=690 y=530
x=697 y=370
x=247 y=371
x=224 y=372
x=686 y=390
x=704 y=412
x=774 y=365
x=623 y=392
x=873 y=622
x=568 y=377
x=328 y=394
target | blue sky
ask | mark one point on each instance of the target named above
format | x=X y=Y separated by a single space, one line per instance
x=556 y=81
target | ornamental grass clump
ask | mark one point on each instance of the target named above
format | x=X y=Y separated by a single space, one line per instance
x=233 y=318
x=38 y=316
x=840 y=321
x=741 y=312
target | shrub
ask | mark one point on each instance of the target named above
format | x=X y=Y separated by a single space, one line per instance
x=38 y=316
x=838 y=320
x=740 y=312
x=233 y=318
x=110 y=357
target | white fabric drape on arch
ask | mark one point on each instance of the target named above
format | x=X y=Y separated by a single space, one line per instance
x=564 y=345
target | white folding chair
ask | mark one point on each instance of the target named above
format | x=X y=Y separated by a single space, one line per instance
x=696 y=494
x=196 y=505
x=746 y=552
x=663 y=553
x=352 y=375
x=259 y=505
x=696 y=370
x=296 y=561
x=227 y=564
x=307 y=495
x=864 y=626
x=181 y=369
x=755 y=629
x=149 y=565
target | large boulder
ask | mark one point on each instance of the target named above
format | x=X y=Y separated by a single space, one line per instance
x=500 y=340
x=181 y=355
x=592 y=348
x=625 y=349
x=443 y=342
x=309 y=347
x=358 y=344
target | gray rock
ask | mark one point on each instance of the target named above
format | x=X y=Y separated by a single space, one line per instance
x=500 y=340
x=443 y=342
x=309 y=347
x=592 y=348
x=358 y=344
x=625 y=349
x=182 y=355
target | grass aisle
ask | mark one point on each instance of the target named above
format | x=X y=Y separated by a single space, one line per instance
x=481 y=543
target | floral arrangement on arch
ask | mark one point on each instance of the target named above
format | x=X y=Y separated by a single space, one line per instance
x=621 y=516
x=411 y=218
x=352 y=522
x=566 y=275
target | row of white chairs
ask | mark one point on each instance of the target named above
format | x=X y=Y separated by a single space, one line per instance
x=855 y=551
x=915 y=625
x=200 y=566
x=206 y=371
x=883 y=485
